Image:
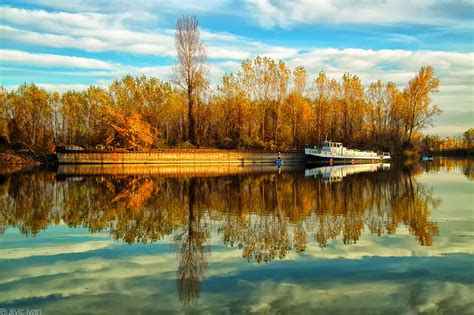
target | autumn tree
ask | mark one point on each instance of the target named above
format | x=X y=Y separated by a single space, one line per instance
x=190 y=72
x=127 y=130
x=260 y=80
x=395 y=116
x=4 y=134
x=28 y=116
x=419 y=110
x=298 y=109
x=353 y=109
x=56 y=121
x=232 y=106
x=283 y=74
x=73 y=117
x=468 y=137
x=160 y=107
x=95 y=100
x=379 y=105
x=326 y=101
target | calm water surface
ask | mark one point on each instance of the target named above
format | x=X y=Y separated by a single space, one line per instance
x=350 y=240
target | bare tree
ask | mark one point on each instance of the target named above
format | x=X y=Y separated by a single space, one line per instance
x=190 y=72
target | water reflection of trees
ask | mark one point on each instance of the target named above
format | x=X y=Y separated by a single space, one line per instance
x=463 y=165
x=190 y=244
x=266 y=215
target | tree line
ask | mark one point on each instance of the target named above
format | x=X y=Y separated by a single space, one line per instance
x=450 y=145
x=265 y=105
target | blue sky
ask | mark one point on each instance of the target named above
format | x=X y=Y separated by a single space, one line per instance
x=63 y=45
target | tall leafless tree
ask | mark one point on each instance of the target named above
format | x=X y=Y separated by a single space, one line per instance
x=190 y=72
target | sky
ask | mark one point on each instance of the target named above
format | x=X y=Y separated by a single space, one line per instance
x=63 y=45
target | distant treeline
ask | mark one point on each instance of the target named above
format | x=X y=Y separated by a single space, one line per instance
x=460 y=145
x=265 y=105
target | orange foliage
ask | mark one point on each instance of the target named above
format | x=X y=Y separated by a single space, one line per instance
x=135 y=194
x=127 y=131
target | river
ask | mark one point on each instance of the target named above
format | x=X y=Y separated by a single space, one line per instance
x=349 y=239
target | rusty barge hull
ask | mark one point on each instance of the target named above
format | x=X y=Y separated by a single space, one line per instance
x=198 y=156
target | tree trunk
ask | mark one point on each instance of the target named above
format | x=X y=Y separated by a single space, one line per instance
x=191 y=127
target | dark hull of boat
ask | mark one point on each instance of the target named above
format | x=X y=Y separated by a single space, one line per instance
x=312 y=159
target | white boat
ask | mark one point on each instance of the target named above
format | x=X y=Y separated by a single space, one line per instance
x=336 y=153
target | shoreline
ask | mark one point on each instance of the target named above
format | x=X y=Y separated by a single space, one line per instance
x=22 y=158
x=11 y=159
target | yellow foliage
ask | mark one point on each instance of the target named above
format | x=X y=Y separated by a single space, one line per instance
x=264 y=105
x=127 y=131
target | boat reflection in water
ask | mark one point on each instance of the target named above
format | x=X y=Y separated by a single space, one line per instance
x=266 y=215
x=338 y=172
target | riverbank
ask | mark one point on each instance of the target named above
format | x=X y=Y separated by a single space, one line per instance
x=25 y=158
x=13 y=162
x=459 y=153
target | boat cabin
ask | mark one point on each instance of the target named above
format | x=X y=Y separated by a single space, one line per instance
x=334 y=147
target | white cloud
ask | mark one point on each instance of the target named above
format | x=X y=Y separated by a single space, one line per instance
x=94 y=32
x=51 y=40
x=277 y=13
x=54 y=20
x=54 y=249
x=226 y=53
x=168 y=6
x=50 y=60
x=61 y=88
x=209 y=35
x=86 y=31
x=269 y=14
